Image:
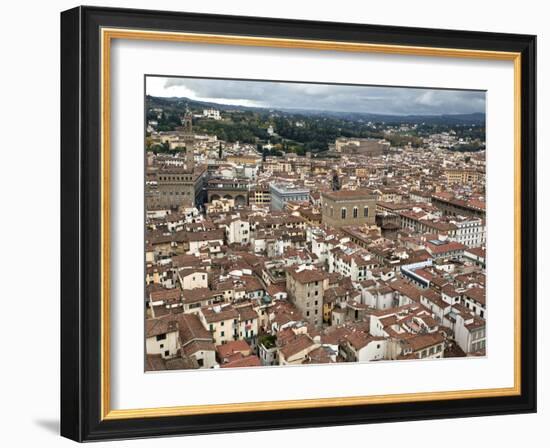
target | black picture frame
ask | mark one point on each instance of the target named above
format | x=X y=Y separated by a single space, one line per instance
x=81 y=224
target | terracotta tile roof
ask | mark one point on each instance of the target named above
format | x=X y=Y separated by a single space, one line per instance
x=276 y=289
x=296 y=345
x=160 y=325
x=358 y=339
x=210 y=235
x=247 y=313
x=434 y=297
x=225 y=313
x=232 y=347
x=477 y=323
x=446 y=247
x=450 y=290
x=196 y=295
x=477 y=294
x=422 y=341
x=247 y=361
x=191 y=328
x=167 y=295
x=405 y=289
x=320 y=355
x=184 y=272
x=154 y=362
x=344 y=195
x=308 y=275
x=477 y=251
x=198 y=346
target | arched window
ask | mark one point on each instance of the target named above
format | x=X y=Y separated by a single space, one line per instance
x=344 y=212
x=366 y=212
x=355 y=212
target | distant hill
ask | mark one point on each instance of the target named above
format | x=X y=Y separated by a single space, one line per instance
x=446 y=119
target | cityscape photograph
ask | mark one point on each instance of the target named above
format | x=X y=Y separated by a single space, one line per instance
x=296 y=223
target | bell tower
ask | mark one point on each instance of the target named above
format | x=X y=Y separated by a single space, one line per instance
x=335 y=181
x=189 y=156
x=189 y=140
x=187 y=122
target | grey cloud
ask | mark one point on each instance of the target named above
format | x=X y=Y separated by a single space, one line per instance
x=367 y=99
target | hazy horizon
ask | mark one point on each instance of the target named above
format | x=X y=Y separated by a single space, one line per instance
x=319 y=97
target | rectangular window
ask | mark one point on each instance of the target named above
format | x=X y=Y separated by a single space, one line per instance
x=161 y=337
x=366 y=212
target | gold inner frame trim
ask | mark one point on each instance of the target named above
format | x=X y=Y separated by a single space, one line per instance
x=107 y=35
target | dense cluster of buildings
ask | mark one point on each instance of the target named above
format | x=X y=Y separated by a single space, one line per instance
x=371 y=253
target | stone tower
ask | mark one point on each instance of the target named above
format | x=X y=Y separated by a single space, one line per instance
x=335 y=181
x=187 y=122
x=190 y=156
x=189 y=140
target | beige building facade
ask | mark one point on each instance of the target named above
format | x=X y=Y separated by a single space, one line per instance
x=348 y=208
x=306 y=286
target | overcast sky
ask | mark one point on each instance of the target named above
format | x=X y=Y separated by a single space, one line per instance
x=366 y=99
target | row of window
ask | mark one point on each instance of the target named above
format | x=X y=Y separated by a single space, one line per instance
x=235 y=322
x=355 y=212
x=295 y=198
x=431 y=351
x=247 y=334
x=175 y=178
x=202 y=276
x=182 y=193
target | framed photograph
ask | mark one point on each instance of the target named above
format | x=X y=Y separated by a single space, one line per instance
x=277 y=224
